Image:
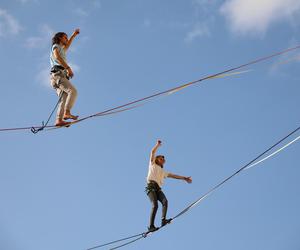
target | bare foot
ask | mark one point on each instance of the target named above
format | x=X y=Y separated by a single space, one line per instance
x=62 y=124
x=69 y=116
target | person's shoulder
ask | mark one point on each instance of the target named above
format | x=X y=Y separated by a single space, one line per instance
x=151 y=162
x=56 y=46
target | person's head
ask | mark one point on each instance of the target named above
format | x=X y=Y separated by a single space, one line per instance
x=160 y=160
x=60 y=38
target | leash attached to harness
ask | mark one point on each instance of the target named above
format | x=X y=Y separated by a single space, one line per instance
x=35 y=130
x=54 y=70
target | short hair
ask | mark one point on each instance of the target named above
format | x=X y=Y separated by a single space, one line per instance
x=57 y=37
x=158 y=156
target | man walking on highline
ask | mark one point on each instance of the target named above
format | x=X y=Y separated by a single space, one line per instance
x=61 y=72
x=155 y=178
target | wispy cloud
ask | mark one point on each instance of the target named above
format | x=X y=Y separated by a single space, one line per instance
x=204 y=19
x=42 y=40
x=43 y=77
x=75 y=67
x=8 y=24
x=199 y=30
x=256 y=16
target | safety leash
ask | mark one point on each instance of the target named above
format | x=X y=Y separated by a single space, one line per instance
x=35 y=130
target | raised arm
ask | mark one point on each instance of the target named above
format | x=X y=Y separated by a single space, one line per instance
x=75 y=33
x=179 y=177
x=154 y=149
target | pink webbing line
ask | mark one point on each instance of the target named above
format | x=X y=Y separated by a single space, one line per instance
x=166 y=91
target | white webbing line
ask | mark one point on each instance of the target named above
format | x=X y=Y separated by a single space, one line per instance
x=274 y=153
x=252 y=165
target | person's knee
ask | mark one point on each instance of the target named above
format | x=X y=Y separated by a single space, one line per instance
x=154 y=205
x=165 y=202
x=74 y=91
x=69 y=88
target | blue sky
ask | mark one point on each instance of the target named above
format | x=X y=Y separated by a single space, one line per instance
x=71 y=189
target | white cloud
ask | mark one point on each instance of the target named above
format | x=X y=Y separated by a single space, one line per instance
x=204 y=19
x=43 y=77
x=75 y=67
x=8 y=24
x=256 y=16
x=41 y=41
x=199 y=30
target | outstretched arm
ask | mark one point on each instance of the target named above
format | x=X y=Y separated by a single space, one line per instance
x=154 y=149
x=75 y=33
x=179 y=177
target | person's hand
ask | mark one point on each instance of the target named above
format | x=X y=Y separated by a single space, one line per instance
x=76 y=32
x=188 y=179
x=70 y=72
x=158 y=143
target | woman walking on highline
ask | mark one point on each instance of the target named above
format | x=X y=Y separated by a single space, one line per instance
x=61 y=72
x=155 y=178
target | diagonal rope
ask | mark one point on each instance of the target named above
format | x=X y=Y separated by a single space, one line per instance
x=141 y=104
x=274 y=153
x=127 y=243
x=136 y=236
x=197 y=81
x=141 y=235
x=166 y=91
x=234 y=174
x=213 y=77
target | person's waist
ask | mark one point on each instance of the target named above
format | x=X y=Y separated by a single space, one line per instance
x=57 y=68
x=153 y=183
